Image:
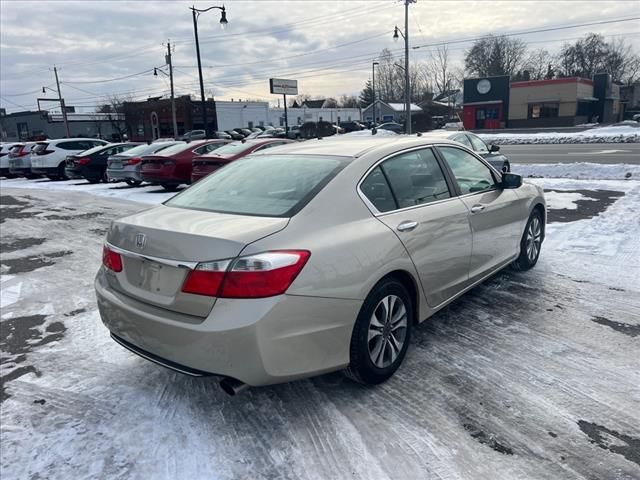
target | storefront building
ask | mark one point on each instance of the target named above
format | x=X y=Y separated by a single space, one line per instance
x=494 y=102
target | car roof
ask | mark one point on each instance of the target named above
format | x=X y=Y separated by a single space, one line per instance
x=354 y=146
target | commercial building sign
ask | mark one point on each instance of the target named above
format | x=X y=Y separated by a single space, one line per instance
x=283 y=87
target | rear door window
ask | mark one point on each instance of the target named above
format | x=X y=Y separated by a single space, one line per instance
x=71 y=145
x=416 y=178
x=377 y=191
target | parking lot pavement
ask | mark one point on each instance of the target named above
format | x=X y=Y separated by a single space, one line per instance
x=603 y=153
x=532 y=375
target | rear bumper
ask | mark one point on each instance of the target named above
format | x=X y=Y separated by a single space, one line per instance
x=257 y=341
x=75 y=172
x=124 y=174
x=44 y=170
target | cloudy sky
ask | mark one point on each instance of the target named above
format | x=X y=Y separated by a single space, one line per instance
x=104 y=47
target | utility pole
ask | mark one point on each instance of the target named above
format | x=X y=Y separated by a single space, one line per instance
x=62 y=106
x=373 y=87
x=407 y=86
x=173 y=99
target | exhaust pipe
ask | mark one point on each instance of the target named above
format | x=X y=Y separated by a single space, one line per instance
x=232 y=387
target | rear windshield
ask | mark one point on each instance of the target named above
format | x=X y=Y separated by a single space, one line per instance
x=40 y=147
x=93 y=150
x=265 y=185
x=16 y=149
x=173 y=149
x=231 y=148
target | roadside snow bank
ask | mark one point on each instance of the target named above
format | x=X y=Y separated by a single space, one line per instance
x=626 y=133
x=581 y=170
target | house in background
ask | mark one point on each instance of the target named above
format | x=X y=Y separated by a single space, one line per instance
x=388 y=112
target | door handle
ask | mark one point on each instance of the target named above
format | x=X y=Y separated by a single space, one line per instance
x=407 y=226
x=477 y=208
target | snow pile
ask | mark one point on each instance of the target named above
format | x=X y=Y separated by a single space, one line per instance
x=151 y=194
x=363 y=133
x=626 y=133
x=579 y=170
x=564 y=200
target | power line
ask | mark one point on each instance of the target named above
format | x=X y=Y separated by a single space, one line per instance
x=528 y=32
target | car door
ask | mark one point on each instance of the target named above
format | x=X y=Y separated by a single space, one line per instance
x=410 y=194
x=495 y=216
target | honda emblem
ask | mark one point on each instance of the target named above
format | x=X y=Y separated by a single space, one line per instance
x=141 y=240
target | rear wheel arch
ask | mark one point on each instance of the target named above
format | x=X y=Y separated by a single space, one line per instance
x=407 y=280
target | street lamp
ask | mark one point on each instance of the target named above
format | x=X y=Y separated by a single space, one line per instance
x=373 y=87
x=223 y=23
x=407 y=86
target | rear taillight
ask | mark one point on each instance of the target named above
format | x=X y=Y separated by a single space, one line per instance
x=23 y=153
x=206 y=278
x=255 y=276
x=133 y=161
x=111 y=260
x=83 y=161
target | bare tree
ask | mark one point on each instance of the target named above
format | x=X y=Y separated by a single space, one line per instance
x=492 y=56
x=348 y=101
x=622 y=62
x=114 y=108
x=440 y=69
x=537 y=63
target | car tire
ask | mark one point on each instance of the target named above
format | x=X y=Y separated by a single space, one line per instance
x=169 y=187
x=93 y=181
x=506 y=167
x=531 y=242
x=381 y=334
x=61 y=173
x=133 y=183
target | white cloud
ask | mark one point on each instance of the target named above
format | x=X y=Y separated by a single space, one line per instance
x=106 y=39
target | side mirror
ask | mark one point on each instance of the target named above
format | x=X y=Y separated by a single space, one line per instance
x=494 y=148
x=511 y=180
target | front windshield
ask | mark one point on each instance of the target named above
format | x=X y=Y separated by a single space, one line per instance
x=269 y=185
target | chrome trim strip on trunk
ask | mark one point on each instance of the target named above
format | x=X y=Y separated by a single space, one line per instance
x=163 y=261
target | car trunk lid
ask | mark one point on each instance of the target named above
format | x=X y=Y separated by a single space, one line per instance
x=161 y=245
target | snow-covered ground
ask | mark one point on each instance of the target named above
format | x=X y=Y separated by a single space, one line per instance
x=532 y=375
x=580 y=170
x=624 y=133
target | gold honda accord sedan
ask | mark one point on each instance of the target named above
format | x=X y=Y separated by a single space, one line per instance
x=313 y=257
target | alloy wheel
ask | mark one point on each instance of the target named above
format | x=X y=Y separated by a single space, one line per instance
x=534 y=239
x=387 y=331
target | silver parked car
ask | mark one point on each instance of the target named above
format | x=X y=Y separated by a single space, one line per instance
x=126 y=165
x=313 y=257
x=491 y=153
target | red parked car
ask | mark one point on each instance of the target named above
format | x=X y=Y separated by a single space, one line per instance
x=171 y=166
x=205 y=164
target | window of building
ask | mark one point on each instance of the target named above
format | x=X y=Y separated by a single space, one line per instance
x=543 y=110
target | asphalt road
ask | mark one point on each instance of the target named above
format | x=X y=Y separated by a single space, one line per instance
x=532 y=375
x=606 y=153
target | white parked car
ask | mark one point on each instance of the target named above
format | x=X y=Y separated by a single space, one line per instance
x=4 y=159
x=48 y=157
x=20 y=159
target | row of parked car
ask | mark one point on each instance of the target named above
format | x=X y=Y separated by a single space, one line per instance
x=168 y=163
